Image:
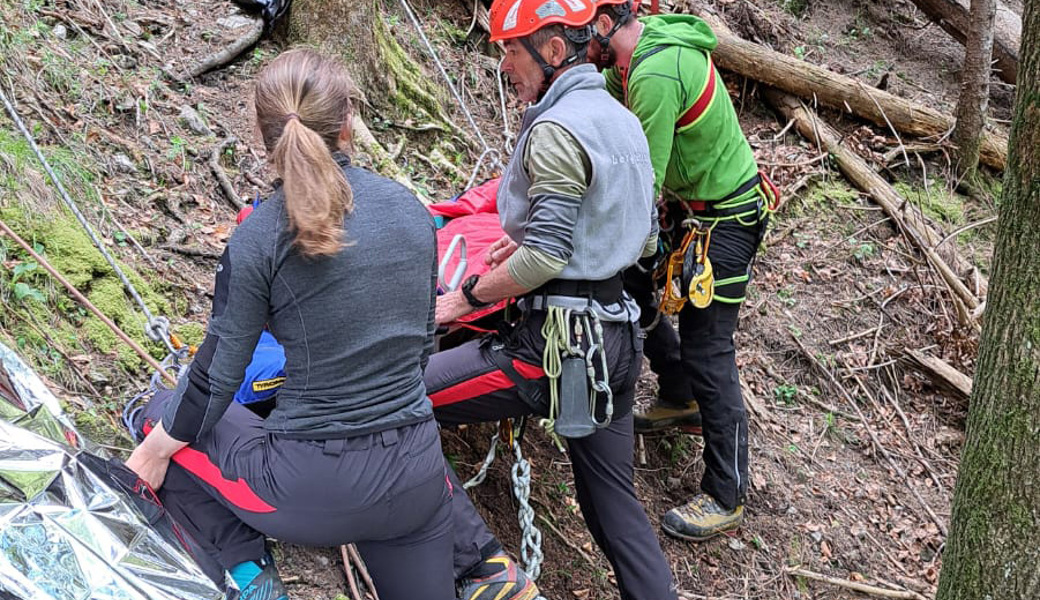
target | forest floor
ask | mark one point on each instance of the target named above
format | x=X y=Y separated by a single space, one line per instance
x=853 y=452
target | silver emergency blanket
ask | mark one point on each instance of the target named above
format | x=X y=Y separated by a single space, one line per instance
x=68 y=529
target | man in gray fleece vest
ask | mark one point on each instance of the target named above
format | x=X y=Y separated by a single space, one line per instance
x=576 y=204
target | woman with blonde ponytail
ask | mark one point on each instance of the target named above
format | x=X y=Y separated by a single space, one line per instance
x=340 y=264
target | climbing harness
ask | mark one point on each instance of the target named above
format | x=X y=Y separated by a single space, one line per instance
x=157 y=328
x=688 y=271
x=520 y=474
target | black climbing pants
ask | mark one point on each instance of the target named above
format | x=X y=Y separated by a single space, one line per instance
x=385 y=491
x=468 y=385
x=700 y=362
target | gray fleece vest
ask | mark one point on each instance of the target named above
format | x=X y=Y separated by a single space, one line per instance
x=614 y=218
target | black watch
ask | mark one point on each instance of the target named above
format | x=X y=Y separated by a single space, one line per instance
x=467 y=291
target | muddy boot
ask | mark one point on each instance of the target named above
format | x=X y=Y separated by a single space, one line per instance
x=498 y=577
x=664 y=415
x=700 y=519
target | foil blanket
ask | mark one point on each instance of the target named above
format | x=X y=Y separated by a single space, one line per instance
x=75 y=524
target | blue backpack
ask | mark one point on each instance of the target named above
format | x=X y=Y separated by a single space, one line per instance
x=265 y=374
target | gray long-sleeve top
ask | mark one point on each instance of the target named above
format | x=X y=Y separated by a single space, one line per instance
x=357 y=327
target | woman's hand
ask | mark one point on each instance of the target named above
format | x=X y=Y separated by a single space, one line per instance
x=499 y=251
x=150 y=467
x=151 y=459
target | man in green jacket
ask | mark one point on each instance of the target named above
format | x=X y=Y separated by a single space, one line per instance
x=660 y=67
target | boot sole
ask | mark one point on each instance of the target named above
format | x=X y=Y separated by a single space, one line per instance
x=530 y=592
x=698 y=538
x=666 y=424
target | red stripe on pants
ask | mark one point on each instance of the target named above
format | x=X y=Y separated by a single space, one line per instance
x=236 y=492
x=484 y=384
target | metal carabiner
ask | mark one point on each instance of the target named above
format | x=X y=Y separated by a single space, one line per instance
x=459 y=241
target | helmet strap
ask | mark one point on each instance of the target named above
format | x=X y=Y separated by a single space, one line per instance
x=622 y=14
x=579 y=36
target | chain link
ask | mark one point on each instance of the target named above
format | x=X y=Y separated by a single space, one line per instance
x=531 y=543
x=482 y=473
x=531 y=537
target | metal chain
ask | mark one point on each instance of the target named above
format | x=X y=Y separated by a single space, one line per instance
x=531 y=537
x=157 y=328
x=531 y=543
x=488 y=150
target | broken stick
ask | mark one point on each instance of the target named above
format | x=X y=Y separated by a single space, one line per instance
x=940 y=372
x=855 y=585
x=222 y=178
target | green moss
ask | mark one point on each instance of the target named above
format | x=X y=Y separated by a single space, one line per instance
x=191 y=332
x=938 y=202
x=60 y=238
x=412 y=96
x=825 y=194
x=100 y=426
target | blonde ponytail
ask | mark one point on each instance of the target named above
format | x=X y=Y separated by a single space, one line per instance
x=303 y=109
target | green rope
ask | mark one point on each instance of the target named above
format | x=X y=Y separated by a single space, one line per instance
x=557 y=333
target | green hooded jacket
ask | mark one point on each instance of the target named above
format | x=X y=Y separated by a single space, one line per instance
x=707 y=159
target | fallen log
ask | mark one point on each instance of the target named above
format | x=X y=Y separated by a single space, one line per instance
x=226 y=55
x=917 y=227
x=940 y=372
x=806 y=80
x=953 y=16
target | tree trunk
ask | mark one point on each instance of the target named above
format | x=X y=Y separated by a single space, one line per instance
x=992 y=550
x=837 y=91
x=974 y=99
x=356 y=31
x=955 y=18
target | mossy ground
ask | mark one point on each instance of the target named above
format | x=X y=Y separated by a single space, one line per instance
x=43 y=318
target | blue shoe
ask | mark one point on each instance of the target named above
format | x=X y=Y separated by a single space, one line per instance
x=264 y=583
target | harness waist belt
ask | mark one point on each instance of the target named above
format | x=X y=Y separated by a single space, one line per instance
x=705 y=207
x=606 y=291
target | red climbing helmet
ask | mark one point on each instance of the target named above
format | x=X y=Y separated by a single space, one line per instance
x=520 y=18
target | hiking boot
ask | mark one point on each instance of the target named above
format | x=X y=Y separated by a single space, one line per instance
x=664 y=415
x=265 y=584
x=498 y=578
x=700 y=519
